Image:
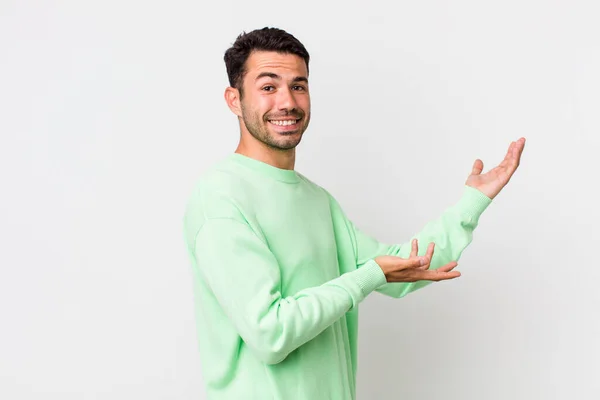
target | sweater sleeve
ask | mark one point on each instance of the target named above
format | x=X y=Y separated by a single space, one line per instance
x=244 y=276
x=452 y=232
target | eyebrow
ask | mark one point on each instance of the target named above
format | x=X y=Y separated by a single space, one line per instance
x=275 y=76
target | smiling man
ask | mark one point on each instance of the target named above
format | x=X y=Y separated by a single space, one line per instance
x=263 y=112
x=269 y=93
x=279 y=270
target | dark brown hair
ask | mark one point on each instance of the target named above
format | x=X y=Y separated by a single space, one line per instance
x=265 y=39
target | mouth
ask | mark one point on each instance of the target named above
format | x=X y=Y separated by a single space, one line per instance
x=288 y=124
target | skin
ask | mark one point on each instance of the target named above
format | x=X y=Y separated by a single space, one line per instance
x=275 y=87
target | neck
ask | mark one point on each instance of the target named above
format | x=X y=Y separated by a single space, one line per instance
x=283 y=159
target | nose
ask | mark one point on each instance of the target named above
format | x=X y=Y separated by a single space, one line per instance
x=286 y=100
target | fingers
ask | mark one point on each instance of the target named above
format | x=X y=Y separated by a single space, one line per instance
x=443 y=273
x=415 y=275
x=425 y=261
x=442 y=276
x=448 y=267
x=509 y=153
x=430 y=248
x=477 y=167
x=513 y=155
x=411 y=263
x=509 y=157
x=518 y=149
x=428 y=257
x=422 y=262
x=511 y=161
x=415 y=248
x=410 y=271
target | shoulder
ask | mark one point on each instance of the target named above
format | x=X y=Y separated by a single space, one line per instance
x=218 y=193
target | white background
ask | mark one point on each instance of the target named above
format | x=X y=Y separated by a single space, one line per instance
x=110 y=110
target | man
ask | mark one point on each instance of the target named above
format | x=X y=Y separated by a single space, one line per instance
x=279 y=270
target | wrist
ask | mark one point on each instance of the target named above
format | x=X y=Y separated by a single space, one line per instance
x=485 y=191
x=380 y=261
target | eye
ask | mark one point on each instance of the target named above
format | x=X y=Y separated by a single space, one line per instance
x=268 y=88
x=299 y=87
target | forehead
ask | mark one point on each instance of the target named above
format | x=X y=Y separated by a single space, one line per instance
x=282 y=64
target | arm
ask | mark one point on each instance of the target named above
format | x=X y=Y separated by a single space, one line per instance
x=244 y=277
x=452 y=232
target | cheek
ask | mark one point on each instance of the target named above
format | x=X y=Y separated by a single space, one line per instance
x=254 y=109
x=305 y=104
x=263 y=107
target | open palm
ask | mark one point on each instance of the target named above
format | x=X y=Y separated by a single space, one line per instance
x=492 y=182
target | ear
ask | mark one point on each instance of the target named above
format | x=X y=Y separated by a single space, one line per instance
x=232 y=97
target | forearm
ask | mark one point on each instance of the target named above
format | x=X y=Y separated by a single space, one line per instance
x=290 y=322
x=452 y=232
x=246 y=283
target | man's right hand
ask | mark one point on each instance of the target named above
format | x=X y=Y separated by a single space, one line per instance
x=415 y=268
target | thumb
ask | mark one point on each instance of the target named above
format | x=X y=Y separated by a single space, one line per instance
x=477 y=167
x=415 y=262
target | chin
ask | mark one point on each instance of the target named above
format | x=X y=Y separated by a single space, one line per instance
x=286 y=144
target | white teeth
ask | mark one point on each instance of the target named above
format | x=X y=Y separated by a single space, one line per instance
x=284 y=123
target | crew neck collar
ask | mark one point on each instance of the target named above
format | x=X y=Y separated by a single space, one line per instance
x=284 y=175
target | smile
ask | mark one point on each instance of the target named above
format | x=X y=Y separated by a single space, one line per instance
x=287 y=122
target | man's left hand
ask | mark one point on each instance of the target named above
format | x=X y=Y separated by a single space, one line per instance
x=492 y=182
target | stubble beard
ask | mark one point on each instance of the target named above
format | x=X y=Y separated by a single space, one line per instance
x=259 y=128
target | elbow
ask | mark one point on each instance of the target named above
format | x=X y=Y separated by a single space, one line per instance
x=272 y=357
x=273 y=338
x=271 y=351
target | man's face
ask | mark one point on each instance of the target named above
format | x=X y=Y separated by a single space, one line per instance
x=276 y=102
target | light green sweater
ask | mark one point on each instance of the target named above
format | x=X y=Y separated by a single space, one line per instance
x=279 y=272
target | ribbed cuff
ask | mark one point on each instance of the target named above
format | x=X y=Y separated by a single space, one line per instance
x=362 y=281
x=369 y=277
x=472 y=204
